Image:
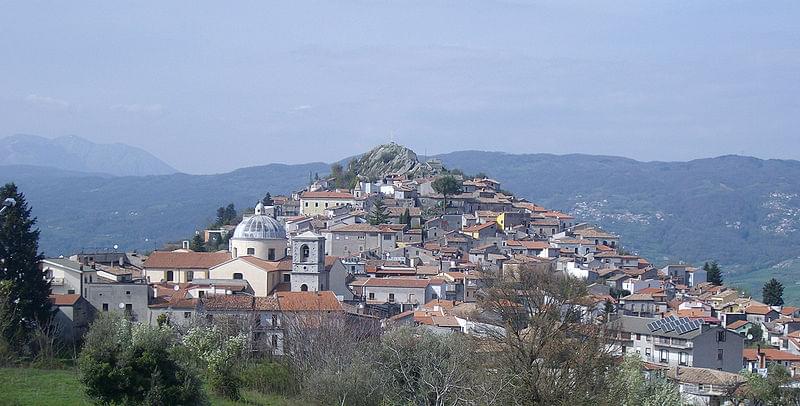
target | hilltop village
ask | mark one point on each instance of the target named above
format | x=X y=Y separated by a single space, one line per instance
x=397 y=241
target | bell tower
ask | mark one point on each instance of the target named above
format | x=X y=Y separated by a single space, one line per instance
x=308 y=263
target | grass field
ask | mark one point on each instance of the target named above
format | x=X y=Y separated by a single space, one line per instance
x=39 y=387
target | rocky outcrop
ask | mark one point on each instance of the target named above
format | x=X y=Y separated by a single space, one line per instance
x=389 y=159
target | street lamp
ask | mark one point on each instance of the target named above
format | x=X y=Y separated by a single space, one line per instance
x=9 y=202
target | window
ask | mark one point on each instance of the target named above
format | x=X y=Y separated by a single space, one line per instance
x=105 y=307
x=271 y=254
x=128 y=309
x=238 y=275
x=306 y=204
x=387 y=237
x=647 y=352
x=201 y=294
x=304 y=253
x=316 y=204
x=391 y=297
x=638 y=336
x=127 y=292
x=189 y=276
x=251 y=251
x=684 y=360
x=720 y=354
x=274 y=340
x=371 y=296
x=721 y=336
x=170 y=276
x=71 y=291
x=304 y=288
x=274 y=320
x=187 y=315
x=287 y=277
x=663 y=356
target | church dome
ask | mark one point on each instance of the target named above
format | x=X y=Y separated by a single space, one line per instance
x=259 y=227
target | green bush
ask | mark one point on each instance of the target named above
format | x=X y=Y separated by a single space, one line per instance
x=269 y=377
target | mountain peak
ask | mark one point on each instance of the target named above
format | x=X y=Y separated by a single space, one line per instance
x=385 y=159
x=74 y=153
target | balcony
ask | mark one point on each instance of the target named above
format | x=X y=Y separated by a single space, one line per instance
x=673 y=342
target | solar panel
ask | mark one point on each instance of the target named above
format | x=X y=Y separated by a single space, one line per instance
x=685 y=320
x=652 y=326
x=668 y=329
x=681 y=329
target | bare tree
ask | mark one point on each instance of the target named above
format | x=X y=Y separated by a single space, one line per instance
x=546 y=349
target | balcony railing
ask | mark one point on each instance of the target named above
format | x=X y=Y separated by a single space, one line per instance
x=673 y=342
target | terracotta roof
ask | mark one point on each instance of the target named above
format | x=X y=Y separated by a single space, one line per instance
x=737 y=324
x=308 y=301
x=396 y=211
x=479 y=227
x=397 y=282
x=185 y=260
x=705 y=376
x=530 y=245
x=772 y=354
x=269 y=266
x=358 y=228
x=64 y=300
x=326 y=195
x=788 y=310
x=761 y=310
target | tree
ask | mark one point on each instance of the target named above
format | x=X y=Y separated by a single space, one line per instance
x=267 y=200
x=773 y=293
x=632 y=388
x=446 y=186
x=379 y=213
x=543 y=346
x=27 y=303
x=220 y=355
x=230 y=213
x=406 y=218
x=774 y=389
x=713 y=273
x=196 y=244
x=756 y=333
x=135 y=364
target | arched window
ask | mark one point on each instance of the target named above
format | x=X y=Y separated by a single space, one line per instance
x=304 y=288
x=304 y=252
x=237 y=275
x=170 y=276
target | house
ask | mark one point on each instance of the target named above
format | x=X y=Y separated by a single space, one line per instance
x=65 y=275
x=181 y=266
x=597 y=236
x=705 y=386
x=406 y=292
x=760 y=314
x=481 y=231
x=642 y=305
x=72 y=315
x=679 y=342
x=355 y=239
x=315 y=203
x=756 y=359
x=130 y=297
x=414 y=212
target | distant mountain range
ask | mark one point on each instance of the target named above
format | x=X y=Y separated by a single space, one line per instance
x=743 y=212
x=73 y=153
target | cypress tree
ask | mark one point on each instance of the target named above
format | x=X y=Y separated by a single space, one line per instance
x=379 y=214
x=27 y=303
x=713 y=273
x=773 y=293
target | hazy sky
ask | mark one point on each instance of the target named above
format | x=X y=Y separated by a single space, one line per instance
x=213 y=86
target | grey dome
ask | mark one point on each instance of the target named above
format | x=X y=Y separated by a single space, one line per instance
x=259 y=227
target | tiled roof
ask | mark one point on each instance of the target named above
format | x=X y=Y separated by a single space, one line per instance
x=64 y=300
x=704 y=376
x=397 y=283
x=761 y=310
x=326 y=195
x=479 y=227
x=269 y=266
x=358 y=228
x=737 y=324
x=185 y=260
x=771 y=354
x=530 y=245
x=308 y=301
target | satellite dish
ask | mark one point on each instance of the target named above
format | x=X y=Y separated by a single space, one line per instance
x=176 y=288
x=121 y=305
x=749 y=336
x=116 y=246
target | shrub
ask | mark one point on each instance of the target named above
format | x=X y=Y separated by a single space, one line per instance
x=269 y=377
x=220 y=355
x=134 y=364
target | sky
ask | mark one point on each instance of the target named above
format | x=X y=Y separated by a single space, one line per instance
x=213 y=86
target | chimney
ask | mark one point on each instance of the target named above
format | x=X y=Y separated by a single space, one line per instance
x=761 y=358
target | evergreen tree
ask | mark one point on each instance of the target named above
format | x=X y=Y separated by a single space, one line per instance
x=379 y=214
x=197 y=244
x=713 y=273
x=773 y=293
x=220 y=217
x=230 y=214
x=406 y=218
x=446 y=186
x=27 y=303
x=267 y=200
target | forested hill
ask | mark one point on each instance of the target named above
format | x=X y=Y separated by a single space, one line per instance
x=743 y=212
